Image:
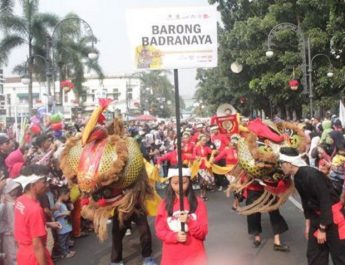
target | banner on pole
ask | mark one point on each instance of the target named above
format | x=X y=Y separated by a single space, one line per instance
x=173 y=38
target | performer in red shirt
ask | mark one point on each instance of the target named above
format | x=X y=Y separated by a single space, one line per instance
x=182 y=248
x=229 y=153
x=187 y=146
x=205 y=176
x=171 y=157
x=29 y=223
x=196 y=135
x=218 y=139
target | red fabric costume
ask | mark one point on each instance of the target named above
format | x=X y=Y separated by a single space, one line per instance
x=202 y=152
x=230 y=155
x=191 y=252
x=172 y=158
x=220 y=141
x=195 y=138
x=187 y=150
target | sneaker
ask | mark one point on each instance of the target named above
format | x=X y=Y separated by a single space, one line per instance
x=70 y=254
x=128 y=232
x=149 y=261
x=117 y=263
x=281 y=247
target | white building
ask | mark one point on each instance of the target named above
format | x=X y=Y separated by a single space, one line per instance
x=123 y=89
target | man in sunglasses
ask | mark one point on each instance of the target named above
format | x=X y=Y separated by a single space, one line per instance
x=325 y=222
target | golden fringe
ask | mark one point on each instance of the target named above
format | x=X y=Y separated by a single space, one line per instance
x=267 y=157
x=132 y=201
x=117 y=167
x=267 y=202
x=116 y=128
x=68 y=171
x=294 y=127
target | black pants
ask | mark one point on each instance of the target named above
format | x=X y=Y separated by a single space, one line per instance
x=118 y=233
x=220 y=180
x=278 y=223
x=318 y=254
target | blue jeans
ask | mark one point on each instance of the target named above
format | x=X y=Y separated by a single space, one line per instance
x=63 y=243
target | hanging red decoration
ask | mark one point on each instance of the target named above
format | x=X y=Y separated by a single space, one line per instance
x=66 y=85
x=293 y=84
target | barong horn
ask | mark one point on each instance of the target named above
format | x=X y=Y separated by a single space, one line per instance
x=221 y=110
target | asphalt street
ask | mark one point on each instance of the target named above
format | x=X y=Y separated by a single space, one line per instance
x=227 y=242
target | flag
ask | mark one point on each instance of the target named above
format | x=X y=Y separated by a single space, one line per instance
x=342 y=113
x=228 y=124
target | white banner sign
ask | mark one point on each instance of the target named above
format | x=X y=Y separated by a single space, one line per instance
x=173 y=38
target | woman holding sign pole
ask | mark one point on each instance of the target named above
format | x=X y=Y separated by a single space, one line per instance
x=182 y=247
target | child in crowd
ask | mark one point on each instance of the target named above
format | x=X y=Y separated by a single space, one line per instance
x=182 y=247
x=338 y=170
x=61 y=215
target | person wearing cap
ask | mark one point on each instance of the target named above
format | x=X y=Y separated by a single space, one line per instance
x=11 y=191
x=199 y=130
x=29 y=222
x=220 y=141
x=325 y=221
x=5 y=149
x=182 y=247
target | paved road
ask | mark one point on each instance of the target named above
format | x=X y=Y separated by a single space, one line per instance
x=227 y=243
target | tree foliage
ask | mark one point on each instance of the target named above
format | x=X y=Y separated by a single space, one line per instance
x=264 y=82
x=158 y=91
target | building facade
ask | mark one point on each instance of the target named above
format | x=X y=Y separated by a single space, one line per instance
x=123 y=89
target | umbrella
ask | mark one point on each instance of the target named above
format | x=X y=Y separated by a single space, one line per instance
x=145 y=117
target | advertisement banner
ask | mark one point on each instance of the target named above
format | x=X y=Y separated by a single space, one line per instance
x=172 y=38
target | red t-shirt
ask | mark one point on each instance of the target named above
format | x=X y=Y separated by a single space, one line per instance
x=191 y=252
x=29 y=223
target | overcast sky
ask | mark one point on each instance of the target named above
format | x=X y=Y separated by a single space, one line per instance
x=108 y=21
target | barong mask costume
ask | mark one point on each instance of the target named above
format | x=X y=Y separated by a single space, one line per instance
x=258 y=156
x=109 y=170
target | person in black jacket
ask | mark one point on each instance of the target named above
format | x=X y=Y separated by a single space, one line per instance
x=5 y=149
x=319 y=201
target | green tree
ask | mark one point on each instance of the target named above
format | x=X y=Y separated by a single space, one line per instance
x=29 y=29
x=157 y=86
x=263 y=83
x=71 y=46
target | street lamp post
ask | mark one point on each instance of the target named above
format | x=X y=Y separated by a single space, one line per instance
x=310 y=73
x=26 y=80
x=92 y=55
x=301 y=43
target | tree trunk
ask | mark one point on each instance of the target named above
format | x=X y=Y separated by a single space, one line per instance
x=30 y=78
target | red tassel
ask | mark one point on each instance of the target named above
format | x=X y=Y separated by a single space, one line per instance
x=104 y=102
x=101 y=119
x=84 y=201
x=102 y=202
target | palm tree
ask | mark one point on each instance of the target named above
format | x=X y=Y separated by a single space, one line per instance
x=71 y=49
x=30 y=29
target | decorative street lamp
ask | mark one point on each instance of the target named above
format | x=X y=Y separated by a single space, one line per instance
x=301 y=43
x=92 y=55
x=303 y=48
x=310 y=71
x=26 y=78
x=236 y=67
x=269 y=54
